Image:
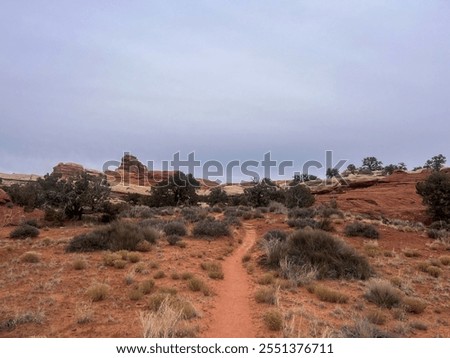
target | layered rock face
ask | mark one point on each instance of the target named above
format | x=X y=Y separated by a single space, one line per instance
x=66 y=170
x=133 y=172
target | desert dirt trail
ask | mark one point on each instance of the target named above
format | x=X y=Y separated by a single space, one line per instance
x=231 y=316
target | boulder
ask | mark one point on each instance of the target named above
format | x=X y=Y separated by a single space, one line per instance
x=4 y=197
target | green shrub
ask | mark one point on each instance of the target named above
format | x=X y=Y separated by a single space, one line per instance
x=175 y=228
x=361 y=229
x=24 y=231
x=211 y=227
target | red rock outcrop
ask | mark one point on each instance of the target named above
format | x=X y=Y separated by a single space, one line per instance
x=4 y=197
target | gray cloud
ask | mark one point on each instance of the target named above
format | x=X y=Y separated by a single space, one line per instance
x=86 y=81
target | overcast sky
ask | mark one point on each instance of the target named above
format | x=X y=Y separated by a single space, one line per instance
x=85 y=81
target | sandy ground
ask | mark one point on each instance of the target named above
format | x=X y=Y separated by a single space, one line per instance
x=49 y=299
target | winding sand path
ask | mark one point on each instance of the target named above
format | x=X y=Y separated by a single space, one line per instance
x=231 y=316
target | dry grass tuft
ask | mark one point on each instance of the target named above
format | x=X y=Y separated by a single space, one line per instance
x=146 y=286
x=376 y=317
x=383 y=294
x=196 y=284
x=414 y=305
x=266 y=279
x=274 y=320
x=430 y=269
x=214 y=270
x=267 y=295
x=30 y=257
x=98 y=292
x=159 y=275
x=328 y=295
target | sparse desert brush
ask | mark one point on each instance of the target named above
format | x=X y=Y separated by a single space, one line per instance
x=246 y=258
x=383 y=294
x=175 y=228
x=158 y=275
x=24 y=231
x=324 y=224
x=301 y=223
x=233 y=221
x=79 y=263
x=372 y=249
x=115 y=237
x=414 y=305
x=98 y=292
x=214 y=270
x=211 y=228
x=361 y=229
x=267 y=295
x=273 y=320
x=173 y=239
x=9 y=324
x=274 y=250
x=330 y=256
x=30 y=257
x=376 y=317
x=146 y=286
x=328 y=295
x=164 y=322
x=266 y=279
x=196 y=284
x=430 y=269
x=187 y=310
x=181 y=244
x=301 y=213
